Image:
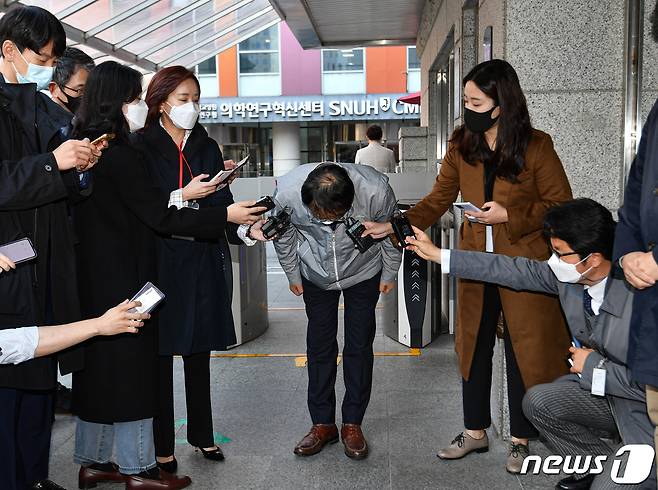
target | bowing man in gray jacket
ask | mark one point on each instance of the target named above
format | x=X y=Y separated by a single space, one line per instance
x=320 y=259
x=599 y=395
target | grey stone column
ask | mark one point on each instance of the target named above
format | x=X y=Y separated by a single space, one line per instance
x=413 y=149
x=649 y=87
x=569 y=55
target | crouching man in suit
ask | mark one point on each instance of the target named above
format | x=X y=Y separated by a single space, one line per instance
x=599 y=394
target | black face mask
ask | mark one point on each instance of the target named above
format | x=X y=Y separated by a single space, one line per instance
x=72 y=103
x=479 y=122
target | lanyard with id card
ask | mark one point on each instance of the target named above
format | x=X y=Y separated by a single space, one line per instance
x=598 y=379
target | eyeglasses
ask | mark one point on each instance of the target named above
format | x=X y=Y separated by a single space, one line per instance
x=78 y=91
x=560 y=255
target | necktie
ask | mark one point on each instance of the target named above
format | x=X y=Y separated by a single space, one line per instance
x=587 y=303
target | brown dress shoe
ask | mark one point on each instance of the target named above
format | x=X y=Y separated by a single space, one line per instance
x=165 y=481
x=91 y=476
x=317 y=438
x=355 y=444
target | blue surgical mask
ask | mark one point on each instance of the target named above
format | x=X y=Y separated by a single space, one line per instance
x=41 y=75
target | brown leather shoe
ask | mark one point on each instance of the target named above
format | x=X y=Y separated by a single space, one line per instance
x=317 y=438
x=91 y=476
x=355 y=444
x=166 y=481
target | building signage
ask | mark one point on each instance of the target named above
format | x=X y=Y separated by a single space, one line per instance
x=306 y=108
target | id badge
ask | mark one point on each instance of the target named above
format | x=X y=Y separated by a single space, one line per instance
x=598 y=382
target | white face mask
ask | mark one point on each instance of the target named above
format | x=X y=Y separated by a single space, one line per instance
x=184 y=116
x=41 y=75
x=334 y=221
x=566 y=272
x=136 y=115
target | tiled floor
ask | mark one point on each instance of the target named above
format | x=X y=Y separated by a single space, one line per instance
x=260 y=405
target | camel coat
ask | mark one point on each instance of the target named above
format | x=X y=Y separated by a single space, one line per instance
x=536 y=325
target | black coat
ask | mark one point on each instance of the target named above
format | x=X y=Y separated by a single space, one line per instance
x=33 y=204
x=637 y=231
x=196 y=315
x=117 y=229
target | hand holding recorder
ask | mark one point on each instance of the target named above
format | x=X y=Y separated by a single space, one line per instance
x=244 y=213
x=423 y=246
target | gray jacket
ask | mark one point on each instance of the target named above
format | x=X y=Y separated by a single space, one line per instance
x=608 y=336
x=328 y=257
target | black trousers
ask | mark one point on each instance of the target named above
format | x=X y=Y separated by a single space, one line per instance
x=197 y=399
x=26 y=419
x=476 y=391
x=322 y=349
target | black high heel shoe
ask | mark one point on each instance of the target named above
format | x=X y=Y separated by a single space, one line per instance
x=170 y=467
x=213 y=454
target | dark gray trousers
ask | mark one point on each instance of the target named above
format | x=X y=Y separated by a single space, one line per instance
x=572 y=420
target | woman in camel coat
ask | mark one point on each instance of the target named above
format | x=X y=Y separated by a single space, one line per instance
x=498 y=162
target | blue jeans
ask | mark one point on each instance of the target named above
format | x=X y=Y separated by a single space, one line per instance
x=132 y=442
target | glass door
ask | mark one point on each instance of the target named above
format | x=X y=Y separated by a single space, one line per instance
x=345 y=151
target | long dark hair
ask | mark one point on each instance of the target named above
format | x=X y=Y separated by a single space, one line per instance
x=498 y=80
x=161 y=85
x=109 y=86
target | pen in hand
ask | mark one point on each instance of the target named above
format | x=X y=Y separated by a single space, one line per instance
x=570 y=361
x=577 y=345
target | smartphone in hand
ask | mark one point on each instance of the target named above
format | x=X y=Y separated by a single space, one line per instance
x=149 y=296
x=105 y=137
x=468 y=207
x=19 y=251
x=223 y=175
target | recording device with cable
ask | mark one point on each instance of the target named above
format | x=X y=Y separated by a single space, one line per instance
x=264 y=202
x=276 y=224
x=354 y=229
x=401 y=228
